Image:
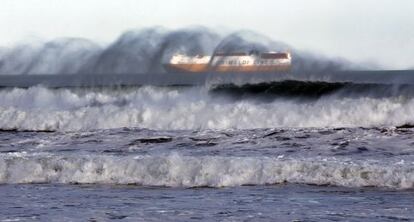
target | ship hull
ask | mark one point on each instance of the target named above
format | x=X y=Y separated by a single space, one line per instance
x=270 y=62
x=199 y=68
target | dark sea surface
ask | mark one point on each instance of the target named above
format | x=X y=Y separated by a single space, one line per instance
x=276 y=151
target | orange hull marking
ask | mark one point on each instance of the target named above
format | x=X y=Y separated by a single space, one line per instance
x=191 y=67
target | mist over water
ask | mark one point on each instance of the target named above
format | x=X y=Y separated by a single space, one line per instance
x=143 y=52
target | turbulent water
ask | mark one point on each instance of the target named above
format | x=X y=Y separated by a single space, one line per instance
x=268 y=105
x=291 y=150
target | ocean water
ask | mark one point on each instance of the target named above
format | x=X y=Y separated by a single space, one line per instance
x=283 y=151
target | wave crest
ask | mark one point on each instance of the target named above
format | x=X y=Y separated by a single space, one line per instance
x=41 y=109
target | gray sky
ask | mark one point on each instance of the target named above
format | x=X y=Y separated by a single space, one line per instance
x=380 y=31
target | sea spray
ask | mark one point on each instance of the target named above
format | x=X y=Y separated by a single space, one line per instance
x=143 y=52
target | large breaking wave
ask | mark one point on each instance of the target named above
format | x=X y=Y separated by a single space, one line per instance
x=207 y=107
x=143 y=51
x=184 y=171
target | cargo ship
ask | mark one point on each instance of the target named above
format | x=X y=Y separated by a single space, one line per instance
x=231 y=63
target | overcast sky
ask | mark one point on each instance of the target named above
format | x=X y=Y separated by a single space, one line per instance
x=379 y=31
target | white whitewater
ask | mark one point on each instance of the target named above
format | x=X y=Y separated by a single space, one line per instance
x=176 y=170
x=39 y=108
